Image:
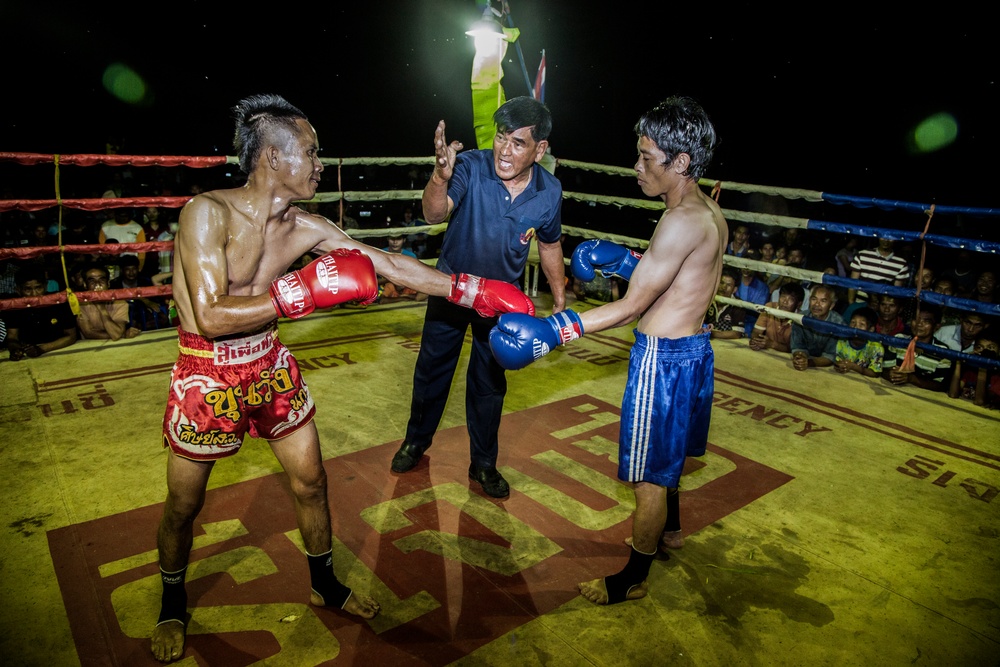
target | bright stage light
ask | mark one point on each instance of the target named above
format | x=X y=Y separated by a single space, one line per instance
x=487 y=30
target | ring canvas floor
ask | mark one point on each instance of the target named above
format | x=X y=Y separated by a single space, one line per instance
x=835 y=520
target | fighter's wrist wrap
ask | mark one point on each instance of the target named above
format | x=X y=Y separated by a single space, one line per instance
x=464 y=289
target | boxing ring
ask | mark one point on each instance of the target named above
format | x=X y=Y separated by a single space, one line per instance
x=835 y=519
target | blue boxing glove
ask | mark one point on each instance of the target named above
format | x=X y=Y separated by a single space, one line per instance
x=519 y=339
x=611 y=258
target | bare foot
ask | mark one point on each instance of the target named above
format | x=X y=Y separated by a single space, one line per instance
x=357 y=605
x=671 y=539
x=596 y=591
x=168 y=641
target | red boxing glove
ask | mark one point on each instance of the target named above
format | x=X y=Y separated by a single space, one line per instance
x=337 y=277
x=487 y=297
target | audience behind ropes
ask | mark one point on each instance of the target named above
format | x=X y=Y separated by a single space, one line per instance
x=979 y=383
x=957 y=273
x=31 y=332
x=952 y=327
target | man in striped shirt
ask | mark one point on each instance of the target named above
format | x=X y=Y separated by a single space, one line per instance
x=879 y=265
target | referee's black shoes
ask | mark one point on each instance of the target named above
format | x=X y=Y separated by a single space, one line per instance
x=492 y=481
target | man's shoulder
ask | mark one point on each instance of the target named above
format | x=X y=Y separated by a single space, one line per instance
x=475 y=158
x=693 y=214
x=548 y=179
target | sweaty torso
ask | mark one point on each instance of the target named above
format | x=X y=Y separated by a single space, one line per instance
x=223 y=248
x=697 y=225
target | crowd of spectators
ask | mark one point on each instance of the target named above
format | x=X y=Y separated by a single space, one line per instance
x=30 y=332
x=956 y=273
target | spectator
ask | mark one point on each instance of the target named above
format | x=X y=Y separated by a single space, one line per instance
x=813 y=349
x=985 y=290
x=417 y=242
x=769 y=254
x=390 y=291
x=80 y=228
x=878 y=265
x=8 y=278
x=944 y=286
x=962 y=336
x=123 y=229
x=930 y=370
x=144 y=313
x=156 y=228
x=846 y=255
x=981 y=384
x=771 y=332
x=797 y=259
x=858 y=354
x=752 y=289
x=32 y=332
x=104 y=319
x=792 y=237
x=925 y=279
x=110 y=261
x=961 y=274
x=725 y=320
x=889 y=322
x=740 y=245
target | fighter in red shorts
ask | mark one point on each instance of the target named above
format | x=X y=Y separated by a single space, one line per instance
x=233 y=376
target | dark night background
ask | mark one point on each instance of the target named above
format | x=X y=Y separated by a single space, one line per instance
x=801 y=98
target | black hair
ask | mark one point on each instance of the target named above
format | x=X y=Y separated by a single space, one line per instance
x=95 y=266
x=255 y=116
x=128 y=260
x=793 y=289
x=870 y=317
x=523 y=111
x=931 y=308
x=29 y=273
x=679 y=125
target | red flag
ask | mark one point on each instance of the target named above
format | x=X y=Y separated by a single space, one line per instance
x=539 y=92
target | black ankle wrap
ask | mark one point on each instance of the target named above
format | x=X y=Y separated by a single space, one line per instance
x=634 y=573
x=324 y=582
x=173 y=602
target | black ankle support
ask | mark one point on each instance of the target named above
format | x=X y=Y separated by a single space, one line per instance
x=634 y=573
x=673 y=511
x=324 y=582
x=173 y=602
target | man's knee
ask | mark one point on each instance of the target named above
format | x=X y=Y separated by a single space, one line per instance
x=182 y=508
x=310 y=486
x=647 y=493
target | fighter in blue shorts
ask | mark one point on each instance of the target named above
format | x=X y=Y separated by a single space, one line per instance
x=666 y=407
x=665 y=414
